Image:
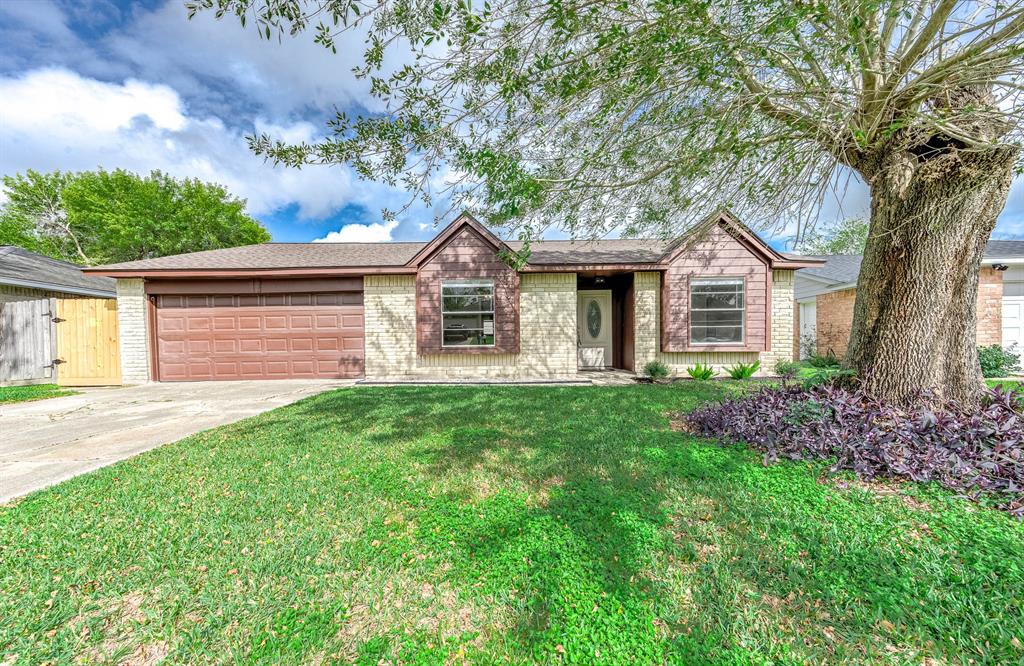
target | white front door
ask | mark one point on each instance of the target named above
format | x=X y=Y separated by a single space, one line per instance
x=594 y=328
x=1013 y=322
x=808 y=326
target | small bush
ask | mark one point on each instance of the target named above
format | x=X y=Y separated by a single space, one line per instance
x=701 y=372
x=977 y=452
x=656 y=370
x=787 y=369
x=827 y=361
x=997 y=361
x=826 y=374
x=743 y=370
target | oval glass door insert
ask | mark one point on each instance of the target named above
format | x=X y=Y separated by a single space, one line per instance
x=594 y=318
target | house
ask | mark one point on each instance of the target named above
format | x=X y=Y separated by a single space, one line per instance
x=453 y=309
x=26 y=276
x=825 y=296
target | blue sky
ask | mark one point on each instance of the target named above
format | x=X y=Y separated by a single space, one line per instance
x=135 y=85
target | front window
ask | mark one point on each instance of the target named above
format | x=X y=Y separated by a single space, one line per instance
x=716 y=311
x=467 y=313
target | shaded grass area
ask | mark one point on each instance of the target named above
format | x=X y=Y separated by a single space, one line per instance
x=493 y=524
x=32 y=392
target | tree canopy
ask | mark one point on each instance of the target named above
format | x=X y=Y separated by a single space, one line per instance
x=645 y=115
x=849 y=236
x=98 y=217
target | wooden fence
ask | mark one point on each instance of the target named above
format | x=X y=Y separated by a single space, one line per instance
x=72 y=342
x=87 y=342
x=28 y=341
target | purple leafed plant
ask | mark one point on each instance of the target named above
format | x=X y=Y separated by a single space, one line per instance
x=976 y=452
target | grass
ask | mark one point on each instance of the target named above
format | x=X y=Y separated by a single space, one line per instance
x=435 y=525
x=32 y=392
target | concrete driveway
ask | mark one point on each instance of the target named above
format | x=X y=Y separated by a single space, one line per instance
x=47 y=441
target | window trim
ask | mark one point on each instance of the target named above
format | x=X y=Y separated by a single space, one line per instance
x=471 y=282
x=742 y=280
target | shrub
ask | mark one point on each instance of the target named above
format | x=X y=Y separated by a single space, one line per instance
x=787 y=369
x=977 y=452
x=656 y=370
x=827 y=361
x=997 y=361
x=743 y=370
x=808 y=345
x=701 y=372
x=826 y=374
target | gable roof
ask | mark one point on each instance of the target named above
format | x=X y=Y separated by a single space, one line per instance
x=448 y=233
x=404 y=257
x=742 y=233
x=21 y=268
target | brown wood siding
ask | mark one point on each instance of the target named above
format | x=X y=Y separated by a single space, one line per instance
x=467 y=255
x=719 y=254
x=259 y=336
x=628 y=328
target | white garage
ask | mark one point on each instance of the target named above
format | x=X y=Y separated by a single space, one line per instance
x=1013 y=308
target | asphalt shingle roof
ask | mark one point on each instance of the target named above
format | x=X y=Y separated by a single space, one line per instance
x=283 y=255
x=18 y=265
x=329 y=255
x=844 y=268
x=1005 y=249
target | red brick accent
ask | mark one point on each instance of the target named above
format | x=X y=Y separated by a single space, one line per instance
x=467 y=255
x=990 y=307
x=835 y=319
x=718 y=254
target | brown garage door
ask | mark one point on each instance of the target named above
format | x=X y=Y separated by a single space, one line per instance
x=259 y=336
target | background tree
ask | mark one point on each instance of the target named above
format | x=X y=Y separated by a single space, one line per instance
x=98 y=217
x=849 y=236
x=599 y=114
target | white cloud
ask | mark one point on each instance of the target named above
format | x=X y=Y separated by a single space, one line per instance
x=56 y=119
x=282 y=78
x=362 y=233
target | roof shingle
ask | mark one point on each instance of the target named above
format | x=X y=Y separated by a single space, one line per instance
x=19 y=266
x=844 y=268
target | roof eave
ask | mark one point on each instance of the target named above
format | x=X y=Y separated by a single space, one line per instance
x=53 y=286
x=571 y=268
x=127 y=273
x=797 y=264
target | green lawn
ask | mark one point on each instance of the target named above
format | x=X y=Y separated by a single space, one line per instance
x=499 y=525
x=33 y=392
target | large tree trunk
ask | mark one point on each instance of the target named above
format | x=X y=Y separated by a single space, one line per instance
x=914 y=320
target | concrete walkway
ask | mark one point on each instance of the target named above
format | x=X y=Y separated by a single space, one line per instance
x=47 y=441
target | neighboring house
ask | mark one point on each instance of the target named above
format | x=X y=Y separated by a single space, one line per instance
x=825 y=296
x=26 y=276
x=452 y=308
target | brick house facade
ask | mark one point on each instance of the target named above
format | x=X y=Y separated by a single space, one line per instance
x=266 y=311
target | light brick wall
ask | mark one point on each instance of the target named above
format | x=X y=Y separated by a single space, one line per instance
x=647 y=316
x=783 y=322
x=990 y=307
x=547 y=305
x=133 y=331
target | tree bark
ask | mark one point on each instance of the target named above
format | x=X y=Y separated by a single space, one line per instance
x=914 y=323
